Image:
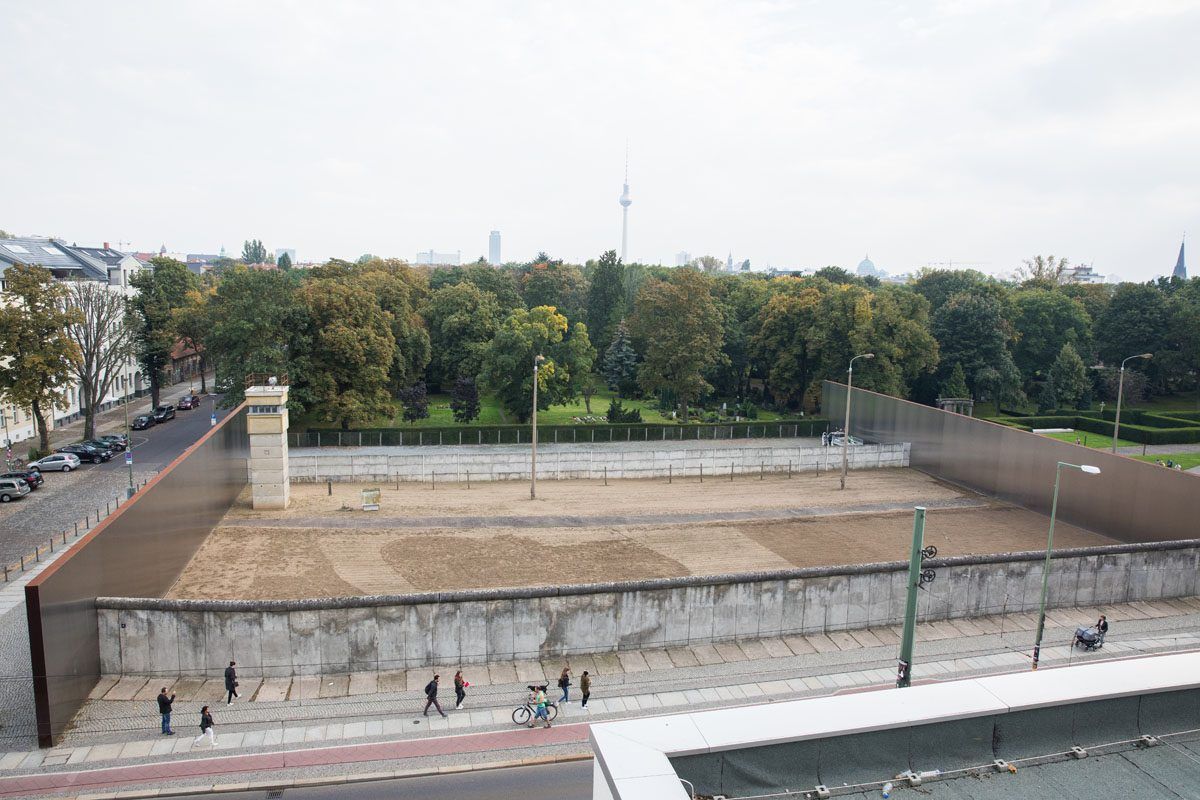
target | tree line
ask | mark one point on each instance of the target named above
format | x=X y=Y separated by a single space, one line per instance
x=358 y=339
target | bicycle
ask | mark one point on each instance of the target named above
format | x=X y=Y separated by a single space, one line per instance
x=523 y=713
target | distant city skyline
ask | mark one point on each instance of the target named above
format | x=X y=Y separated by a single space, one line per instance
x=924 y=133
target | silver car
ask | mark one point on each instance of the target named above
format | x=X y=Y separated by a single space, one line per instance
x=56 y=462
x=12 y=489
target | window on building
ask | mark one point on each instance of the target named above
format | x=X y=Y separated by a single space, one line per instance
x=265 y=409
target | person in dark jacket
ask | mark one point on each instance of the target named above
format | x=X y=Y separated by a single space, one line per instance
x=460 y=690
x=164 y=708
x=431 y=690
x=231 y=682
x=206 y=728
x=585 y=688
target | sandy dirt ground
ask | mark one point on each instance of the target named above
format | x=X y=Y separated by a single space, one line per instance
x=248 y=557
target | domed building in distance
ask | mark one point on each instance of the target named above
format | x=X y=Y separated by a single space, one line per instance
x=867 y=267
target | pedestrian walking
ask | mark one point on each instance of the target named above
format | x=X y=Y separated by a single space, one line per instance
x=460 y=690
x=164 y=708
x=431 y=690
x=539 y=702
x=231 y=682
x=585 y=688
x=564 y=683
x=206 y=728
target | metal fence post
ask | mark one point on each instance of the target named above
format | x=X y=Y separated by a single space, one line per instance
x=668 y=473
x=731 y=472
x=606 y=474
x=702 y=472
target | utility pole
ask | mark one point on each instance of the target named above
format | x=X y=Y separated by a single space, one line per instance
x=533 y=451
x=128 y=389
x=846 y=424
x=904 y=671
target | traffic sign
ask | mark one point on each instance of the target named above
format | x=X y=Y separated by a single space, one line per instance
x=128 y=458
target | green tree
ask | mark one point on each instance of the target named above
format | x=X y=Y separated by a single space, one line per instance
x=1069 y=376
x=1135 y=321
x=740 y=300
x=39 y=356
x=971 y=330
x=785 y=341
x=464 y=400
x=956 y=384
x=605 y=300
x=1183 y=331
x=1048 y=397
x=682 y=327
x=707 y=264
x=508 y=364
x=253 y=252
x=939 y=285
x=352 y=351
x=259 y=325
x=620 y=363
x=285 y=261
x=499 y=282
x=1043 y=270
x=461 y=319
x=192 y=322
x=5 y=235
x=553 y=283
x=1044 y=321
x=161 y=290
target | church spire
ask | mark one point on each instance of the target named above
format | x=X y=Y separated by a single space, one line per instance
x=1180 y=268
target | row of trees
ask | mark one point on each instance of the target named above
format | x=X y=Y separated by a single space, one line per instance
x=359 y=338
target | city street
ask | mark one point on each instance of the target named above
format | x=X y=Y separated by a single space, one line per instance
x=569 y=781
x=67 y=498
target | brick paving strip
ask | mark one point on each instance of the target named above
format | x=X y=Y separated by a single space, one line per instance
x=310 y=733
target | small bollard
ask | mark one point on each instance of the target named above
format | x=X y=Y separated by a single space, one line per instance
x=606 y=475
x=107 y=509
x=702 y=472
x=433 y=481
x=37 y=554
x=329 y=488
x=731 y=472
x=51 y=544
x=668 y=473
x=6 y=573
x=468 y=479
x=76 y=530
x=789 y=470
x=22 y=563
x=64 y=537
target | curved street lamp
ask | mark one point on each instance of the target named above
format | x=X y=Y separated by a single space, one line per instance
x=537 y=360
x=846 y=424
x=1090 y=470
x=1120 y=393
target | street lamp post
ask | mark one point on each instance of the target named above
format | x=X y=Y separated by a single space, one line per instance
x=1120 y=394
x=533 y=440
x=1090 y=470
x=846 y=424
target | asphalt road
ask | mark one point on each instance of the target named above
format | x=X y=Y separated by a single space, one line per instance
x=67 y=498
x=569 y=781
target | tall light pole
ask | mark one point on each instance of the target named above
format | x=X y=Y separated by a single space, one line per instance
x=533 y=452
x=1120 y=394
x=846 y=424
x=128 y=388
x=1090 y=470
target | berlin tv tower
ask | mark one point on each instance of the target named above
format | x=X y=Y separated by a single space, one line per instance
x=625 y=202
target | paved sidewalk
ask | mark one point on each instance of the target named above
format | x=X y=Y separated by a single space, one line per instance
x=363 y=720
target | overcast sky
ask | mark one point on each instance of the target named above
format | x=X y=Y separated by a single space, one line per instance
x=793 y=134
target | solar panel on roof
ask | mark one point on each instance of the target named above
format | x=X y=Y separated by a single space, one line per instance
x=16 y=248
x=50 y=250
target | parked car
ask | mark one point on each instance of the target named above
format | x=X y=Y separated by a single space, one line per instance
x=100 y=444
x=118 y=440
x=12 y=489
x=187 y=403
x=164 y=413
x=30 y=476
x=56 y=462
x=143 y=422
x=87 y=453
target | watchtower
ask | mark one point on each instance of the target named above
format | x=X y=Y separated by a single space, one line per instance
x=267 y=424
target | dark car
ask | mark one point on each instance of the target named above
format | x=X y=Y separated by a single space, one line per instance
x=116 y=441
x=87 y=453
x=143 y=422
x=187 y=403
x=30 y=476
x=100 y=444
x=164 y=413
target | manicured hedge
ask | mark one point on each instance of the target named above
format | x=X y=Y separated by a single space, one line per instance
x=1138 y=426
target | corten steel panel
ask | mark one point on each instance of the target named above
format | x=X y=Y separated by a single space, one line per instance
x=137 y=551
x=1131 y=501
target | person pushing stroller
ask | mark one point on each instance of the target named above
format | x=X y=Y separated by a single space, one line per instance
x=1091 y=638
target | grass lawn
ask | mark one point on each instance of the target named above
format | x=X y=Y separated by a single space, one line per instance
x=1185 y=401
x=491 y=413
x=1096 y=440
x=1188 y=460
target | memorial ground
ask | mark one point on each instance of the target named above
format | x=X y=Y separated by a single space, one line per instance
x=491 y=535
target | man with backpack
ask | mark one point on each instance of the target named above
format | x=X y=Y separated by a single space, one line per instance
x=431 y=690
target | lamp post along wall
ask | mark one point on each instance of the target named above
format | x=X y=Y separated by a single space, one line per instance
x=846 y=423
x=1120 y=395
x=534 y=439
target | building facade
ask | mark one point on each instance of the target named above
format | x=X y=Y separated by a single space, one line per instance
x=494 y=249
x=105 y=265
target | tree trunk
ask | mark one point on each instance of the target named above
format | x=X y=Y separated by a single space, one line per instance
x=43 y=434
x=587 y=402
x=203 y=369
x=154 y=389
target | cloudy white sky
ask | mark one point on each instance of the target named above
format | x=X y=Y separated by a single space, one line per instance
x=794 y=134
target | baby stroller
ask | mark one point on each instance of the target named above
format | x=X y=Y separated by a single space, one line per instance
x=1088 y=639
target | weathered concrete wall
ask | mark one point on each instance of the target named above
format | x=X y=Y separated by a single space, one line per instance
x=561 y=461
x=277 y=638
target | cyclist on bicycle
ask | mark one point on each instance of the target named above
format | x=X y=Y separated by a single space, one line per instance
x=537 y=699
